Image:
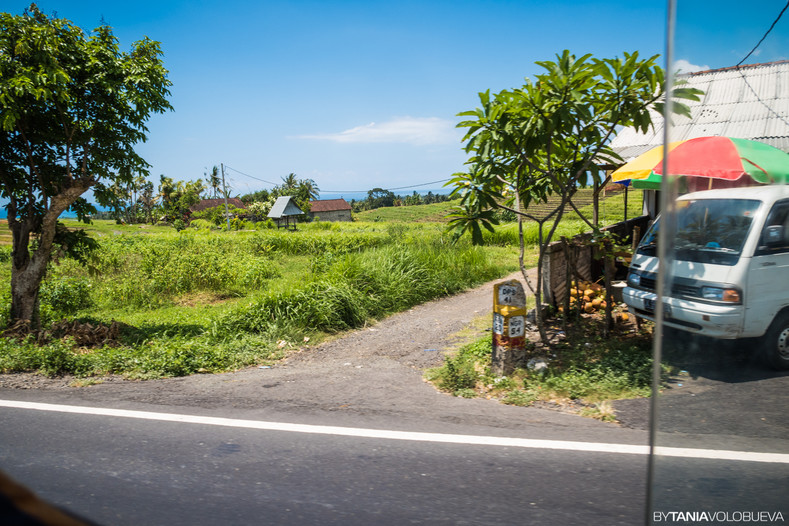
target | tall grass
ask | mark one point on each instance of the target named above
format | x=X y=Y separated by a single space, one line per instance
x=362 y=286
x=205 y=301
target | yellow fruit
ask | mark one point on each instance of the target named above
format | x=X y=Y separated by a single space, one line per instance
x=588 y=292
x=624 y=316
x=588 y=307
x=597 y=302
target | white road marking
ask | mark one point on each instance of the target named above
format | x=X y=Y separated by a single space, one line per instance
x=529 y=443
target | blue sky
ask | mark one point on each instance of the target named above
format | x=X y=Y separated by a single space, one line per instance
x=363 y=94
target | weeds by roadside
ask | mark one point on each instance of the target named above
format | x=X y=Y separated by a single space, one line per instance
x=583 y=371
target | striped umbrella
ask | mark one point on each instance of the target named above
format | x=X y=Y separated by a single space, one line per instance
x=709 y=162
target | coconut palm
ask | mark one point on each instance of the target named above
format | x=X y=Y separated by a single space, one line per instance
x=290 y=182
x=213 y=180
x=308 y=190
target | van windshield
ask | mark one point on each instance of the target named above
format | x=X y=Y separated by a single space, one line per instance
x=708 y=230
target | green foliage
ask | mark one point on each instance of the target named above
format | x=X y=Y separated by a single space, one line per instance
x=177 y=197
x=72 y=109
x=216 y=215
x=604 y=370
x=545 y=138
x=51 y=359
x=66 y=296
x=201 y=224
x=346 y=291
x=459 y=374
x=520 y=398
x=204 y=301
x=434 y=212
x=155 y=358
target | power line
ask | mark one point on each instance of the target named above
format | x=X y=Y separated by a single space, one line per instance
x=250 y=176
x=418 y=185
x=387 y=189
x=339 y=191
x=765 y=35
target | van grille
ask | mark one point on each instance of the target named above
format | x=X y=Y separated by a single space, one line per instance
x=684 y=290
x=649 y=282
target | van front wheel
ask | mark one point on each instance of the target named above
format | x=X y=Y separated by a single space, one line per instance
x=775 y=343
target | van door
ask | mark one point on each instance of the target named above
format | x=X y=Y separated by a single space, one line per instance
x=767 y=292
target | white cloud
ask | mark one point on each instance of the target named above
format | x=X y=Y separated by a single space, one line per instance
x=683 y=66
x=411 y=130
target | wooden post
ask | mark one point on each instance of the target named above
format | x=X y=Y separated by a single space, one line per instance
x=224 y=192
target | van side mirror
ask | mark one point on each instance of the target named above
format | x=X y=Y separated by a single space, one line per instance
x=774 y=235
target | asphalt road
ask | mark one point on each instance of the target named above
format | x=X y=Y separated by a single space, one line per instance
x=131 y=472
x=117 y=470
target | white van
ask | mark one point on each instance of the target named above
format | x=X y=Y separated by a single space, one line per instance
x=730 y=270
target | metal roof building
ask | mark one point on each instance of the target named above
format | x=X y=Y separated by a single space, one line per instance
x=747 y=102
x=283 y=210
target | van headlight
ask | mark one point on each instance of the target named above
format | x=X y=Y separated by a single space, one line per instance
x=721 y=294
x=634 y=279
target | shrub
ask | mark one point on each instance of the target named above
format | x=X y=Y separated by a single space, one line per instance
x=201 y=224
x=66 y=296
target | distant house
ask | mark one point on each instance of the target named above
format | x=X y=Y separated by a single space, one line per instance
x=330 y=210
x=285 y=212
x=211 y=203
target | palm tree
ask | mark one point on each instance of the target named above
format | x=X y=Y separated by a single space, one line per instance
x=213 y=180
x=308 y=190
x=290 y=182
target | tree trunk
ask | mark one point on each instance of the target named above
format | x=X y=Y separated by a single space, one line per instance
x=25 y=284
x=27 y=272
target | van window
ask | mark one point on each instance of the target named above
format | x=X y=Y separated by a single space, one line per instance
x=708 y=231
x=778 y=216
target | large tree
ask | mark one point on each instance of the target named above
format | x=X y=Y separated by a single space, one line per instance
x=72 y=109
x=547 y=138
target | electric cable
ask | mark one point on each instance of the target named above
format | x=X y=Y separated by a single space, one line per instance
x=765 y=35
x=340 y=191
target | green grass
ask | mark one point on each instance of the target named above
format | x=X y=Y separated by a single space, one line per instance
x=585 y=367
x=208 y=301
x=435 y=212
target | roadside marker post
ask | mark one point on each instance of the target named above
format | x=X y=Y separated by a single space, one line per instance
x=509 y=327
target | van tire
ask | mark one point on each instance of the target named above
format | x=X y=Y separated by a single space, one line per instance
x=775 y=343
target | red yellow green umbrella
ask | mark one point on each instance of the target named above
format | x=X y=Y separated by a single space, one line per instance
x=718 y=161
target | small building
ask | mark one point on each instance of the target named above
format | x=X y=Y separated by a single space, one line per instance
x=330 y=210
x=285 y=212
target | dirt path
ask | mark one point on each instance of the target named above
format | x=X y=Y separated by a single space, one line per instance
x=374 y=372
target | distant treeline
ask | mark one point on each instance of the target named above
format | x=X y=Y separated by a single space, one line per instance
x=380 y=198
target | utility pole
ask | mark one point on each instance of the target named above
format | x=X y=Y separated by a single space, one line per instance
x=224 y=191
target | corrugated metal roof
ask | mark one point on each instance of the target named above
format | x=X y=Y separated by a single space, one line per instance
x=284 y=207
x=749 y=102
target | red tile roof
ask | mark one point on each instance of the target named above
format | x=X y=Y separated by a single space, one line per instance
x=211 y=203
x=329 y=205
